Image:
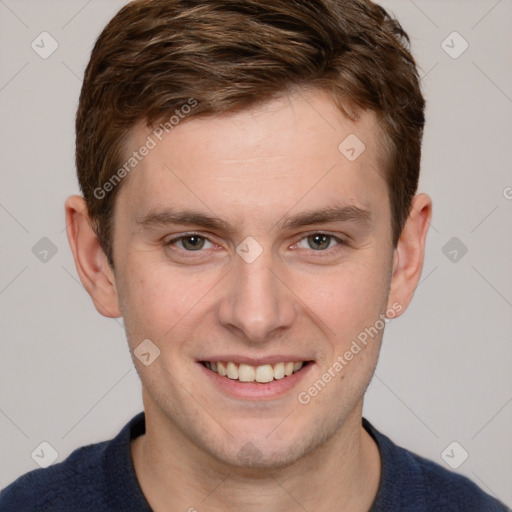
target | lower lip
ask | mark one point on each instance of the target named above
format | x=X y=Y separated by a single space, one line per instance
x=257 y=390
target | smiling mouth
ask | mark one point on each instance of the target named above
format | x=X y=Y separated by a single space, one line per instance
x=247 y=373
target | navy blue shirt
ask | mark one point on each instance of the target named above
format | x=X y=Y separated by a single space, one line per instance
x=101 y=477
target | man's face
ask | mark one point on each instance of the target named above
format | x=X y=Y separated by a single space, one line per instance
x=300 y=289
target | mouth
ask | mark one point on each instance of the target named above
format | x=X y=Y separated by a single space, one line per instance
x=261 y=374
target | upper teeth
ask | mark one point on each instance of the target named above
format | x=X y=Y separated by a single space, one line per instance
x=248 y=373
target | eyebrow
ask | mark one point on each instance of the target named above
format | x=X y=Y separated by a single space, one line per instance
x=330 y=214
x=187 y=217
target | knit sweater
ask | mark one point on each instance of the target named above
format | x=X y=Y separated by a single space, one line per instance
x=101 y=477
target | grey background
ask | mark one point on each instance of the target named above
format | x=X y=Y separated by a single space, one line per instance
x=66 y=376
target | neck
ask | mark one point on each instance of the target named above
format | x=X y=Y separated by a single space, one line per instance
x=342 y=474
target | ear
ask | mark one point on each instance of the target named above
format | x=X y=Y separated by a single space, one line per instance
x=409 y=253
x=90 y=260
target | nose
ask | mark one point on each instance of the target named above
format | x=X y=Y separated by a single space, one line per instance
x=256 y=303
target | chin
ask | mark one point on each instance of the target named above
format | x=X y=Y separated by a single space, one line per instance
x=259 y=451
x=254 y=459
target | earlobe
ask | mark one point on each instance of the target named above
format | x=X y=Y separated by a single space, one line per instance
x=90 y=259
x=410 y=251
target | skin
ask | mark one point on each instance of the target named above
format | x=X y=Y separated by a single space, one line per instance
x=254 y=169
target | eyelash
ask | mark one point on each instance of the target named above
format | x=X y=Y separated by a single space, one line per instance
x=338 y=246
x=171 y=242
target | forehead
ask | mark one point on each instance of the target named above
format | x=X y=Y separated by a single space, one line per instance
x=293 y=152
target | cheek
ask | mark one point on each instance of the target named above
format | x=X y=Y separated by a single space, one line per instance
x=156 y=300
x=347 y=298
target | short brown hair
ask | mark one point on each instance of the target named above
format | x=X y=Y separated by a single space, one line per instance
x=155 y=55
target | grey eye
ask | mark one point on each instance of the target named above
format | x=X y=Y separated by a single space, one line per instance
x=319 y=241
x=192 y=242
